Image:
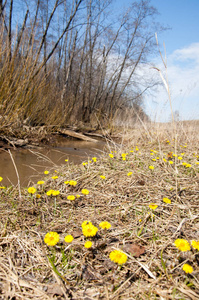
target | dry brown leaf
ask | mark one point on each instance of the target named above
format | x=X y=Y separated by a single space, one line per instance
x=54 y=289
x=77 y=233
x=134 y=249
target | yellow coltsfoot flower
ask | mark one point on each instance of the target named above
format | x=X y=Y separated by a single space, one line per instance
x=118 y=257
x=105 y=225
x=195 y=245
x=89 y=230
x=85 y=192
x=182 y=245
x=88 y=244
x=166 y=200
x=68 y=239
x=51 y=238
x=187 y=268
x=31 y=190
x=153 y=206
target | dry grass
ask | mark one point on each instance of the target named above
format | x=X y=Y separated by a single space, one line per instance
x=29 y=269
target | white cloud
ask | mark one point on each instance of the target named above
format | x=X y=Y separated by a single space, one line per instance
x=188 y=53
x=183 y=77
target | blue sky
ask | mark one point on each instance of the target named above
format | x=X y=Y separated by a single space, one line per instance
x=182 y=49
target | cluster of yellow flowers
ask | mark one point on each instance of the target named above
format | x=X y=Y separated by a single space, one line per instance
x=52 y=193
x=88 y=230
x=183 y=245
x=52 y=238
x=32 y=190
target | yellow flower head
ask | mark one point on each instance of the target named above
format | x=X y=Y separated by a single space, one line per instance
x=167 y=200
x=182 y=245
x=180 y=157
x=51 y=238
x=71 y=197
x=38 y=196
x=66 y=160
x=68 y=239
x=151 y=167
x=170 y=162
x=1 y=178
x=111 y=155
x=84 y=163
x=85 y=192
x=124 y=154
x=40 y=182
x=46 y=172
x=2 y=187
x=86 y=222
x=55 y=193
x=66 y=182
x=188 y=166
x=195 y=244
x=31 y=190
x=88 y=244
x=187 y=268
x=49 y=193
x=129 y=173
x=164 y=159
x=118 y=257
x=94 y=159
x=105 y=225
x=54 y=177
x=103 y=177
x=153 y=206
x=78 y=196
x=72 y=182
x=89 y=230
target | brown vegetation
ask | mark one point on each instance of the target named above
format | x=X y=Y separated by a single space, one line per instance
x=29 y=269
x=71 y=61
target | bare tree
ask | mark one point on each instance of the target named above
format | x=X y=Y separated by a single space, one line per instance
x=68 y=60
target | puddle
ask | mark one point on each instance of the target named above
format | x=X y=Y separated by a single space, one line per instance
x=32 y=163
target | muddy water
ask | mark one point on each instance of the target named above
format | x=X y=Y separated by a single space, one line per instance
x=31 y=163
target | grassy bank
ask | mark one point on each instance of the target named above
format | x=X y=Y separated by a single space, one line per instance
x=146 y=189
